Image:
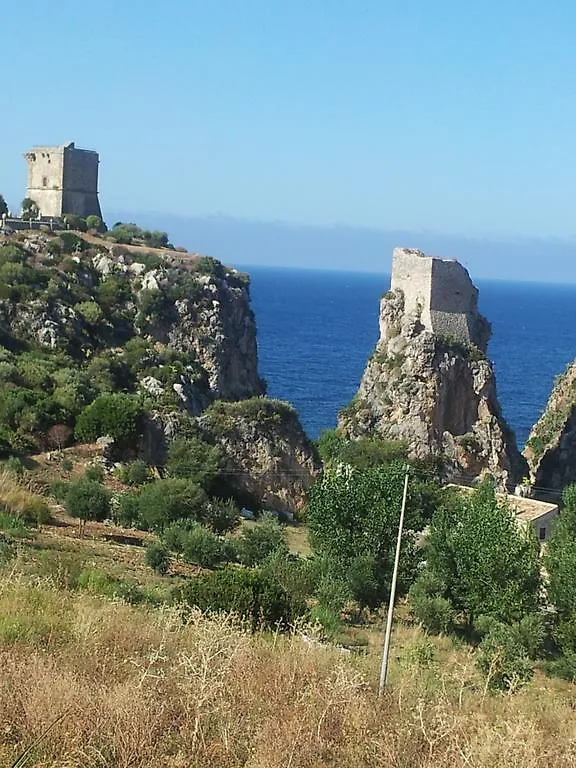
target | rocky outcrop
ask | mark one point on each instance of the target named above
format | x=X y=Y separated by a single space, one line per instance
x=198 y=308
x=551 y=447
x=270 y=463
x=437 y=394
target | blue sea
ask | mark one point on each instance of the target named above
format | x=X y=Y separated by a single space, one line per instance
x=316 y=330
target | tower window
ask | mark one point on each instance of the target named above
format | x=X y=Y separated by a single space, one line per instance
x=44 y=181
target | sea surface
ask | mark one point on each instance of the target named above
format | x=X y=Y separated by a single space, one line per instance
x=316 y=330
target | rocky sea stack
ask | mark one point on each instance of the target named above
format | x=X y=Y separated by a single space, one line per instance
x=551 y=446
x=428 y=382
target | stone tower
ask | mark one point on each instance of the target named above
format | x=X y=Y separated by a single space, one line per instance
x=441 y=293
x=63 y=180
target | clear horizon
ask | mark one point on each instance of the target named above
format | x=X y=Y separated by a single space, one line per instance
x=449 y=122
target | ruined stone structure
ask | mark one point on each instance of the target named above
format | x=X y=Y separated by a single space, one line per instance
x=63 y=180
x=441 y=293
x=428 y=382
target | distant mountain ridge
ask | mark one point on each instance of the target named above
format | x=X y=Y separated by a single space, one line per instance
x=277 y=243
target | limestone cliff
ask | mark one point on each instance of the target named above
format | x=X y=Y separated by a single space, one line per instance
x=551 y=446
x=269 y=463
x=97 y=297
x=435 y=392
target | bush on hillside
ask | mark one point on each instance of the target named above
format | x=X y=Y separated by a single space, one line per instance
x=221 y=516
x=158 y=558
x=166 y=501
x=134 y=473
x=194 y=459
x=116 y=415
x=248 y=592
x=201 y=546
x=258 y=542
x=87 y=500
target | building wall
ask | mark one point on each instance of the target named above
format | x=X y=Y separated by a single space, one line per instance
x=45 y=179
x=442 y=289
x=81 y=182
x=63 y=180
x=412 y=274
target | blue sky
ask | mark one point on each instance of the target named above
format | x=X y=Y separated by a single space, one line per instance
x=438 y=117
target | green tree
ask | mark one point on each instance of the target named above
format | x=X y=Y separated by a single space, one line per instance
x=484 y=563
x=354 y=514
x=117 y=415
x=158 y=557
x=167 y=501
x=261 y=540
x=29 y=208
x=560 y=562
x=3 y=206
x=87 y=500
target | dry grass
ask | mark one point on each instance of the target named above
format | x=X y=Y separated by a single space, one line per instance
x=145 y=689
x=18 y=499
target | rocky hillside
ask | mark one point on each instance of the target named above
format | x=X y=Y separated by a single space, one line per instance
x=81 y=318
x=551 y=446
x=435 y=393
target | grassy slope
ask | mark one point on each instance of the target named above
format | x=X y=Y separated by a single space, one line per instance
x=142 y=688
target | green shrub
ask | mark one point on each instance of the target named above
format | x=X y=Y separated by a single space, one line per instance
x=174 y=536
x=221 y=516
x=14 y=526
x=503 y=659
x=127 y=510
x=94 y=472
x=71 y=242
x=158 y=557
x=75 y=222
x=248 y=592
x=94 y=222
x=87 y=500
x=202 y=547
x=15 y=466
x=207 y=265
x=328 y=619
x=134 y=473
x=59 y=489
x=166 y=501
x=116 y=415
x=433 y=611
x=260 y=540
x=193 y=459
x=67 y=465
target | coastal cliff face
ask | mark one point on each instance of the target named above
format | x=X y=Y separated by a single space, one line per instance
x=436 y=393
x=551 y=447
x=80 y=318
x=199 y=309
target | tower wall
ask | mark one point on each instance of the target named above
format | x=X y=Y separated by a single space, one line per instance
x=81 y=182
x=45 y=179
x=441 y=292
x=63 y=180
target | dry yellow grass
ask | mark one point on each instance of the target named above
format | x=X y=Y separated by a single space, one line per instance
x=144 y=689
x=17 y=499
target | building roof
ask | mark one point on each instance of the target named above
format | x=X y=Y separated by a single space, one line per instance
x=528 y=510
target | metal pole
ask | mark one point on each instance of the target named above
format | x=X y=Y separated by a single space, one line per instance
x=386 y=649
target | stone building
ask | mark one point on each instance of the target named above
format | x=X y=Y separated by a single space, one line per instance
x=443 y=295
x=63 y=180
